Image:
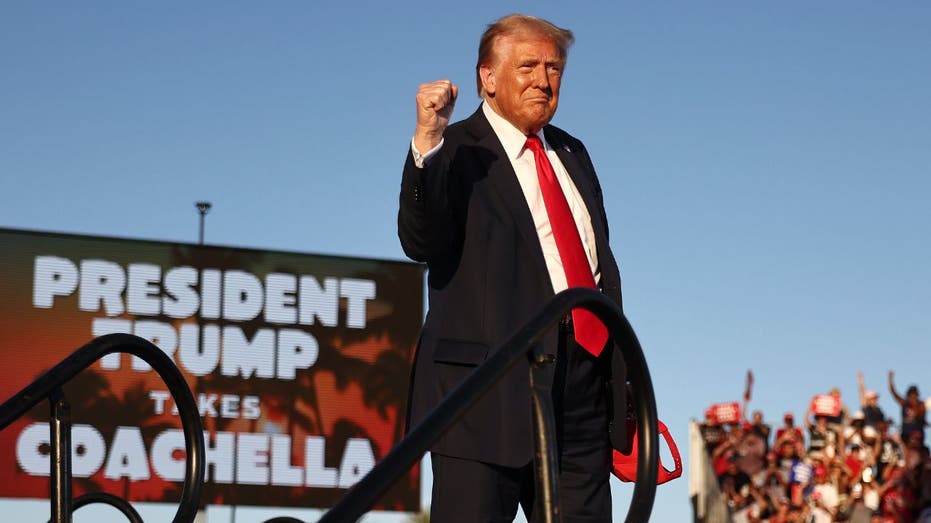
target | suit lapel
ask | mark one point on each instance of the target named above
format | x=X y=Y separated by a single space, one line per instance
x=504 y=180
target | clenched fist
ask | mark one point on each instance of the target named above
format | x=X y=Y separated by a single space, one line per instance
x=435 y=102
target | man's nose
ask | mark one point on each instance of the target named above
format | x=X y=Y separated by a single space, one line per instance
x=540 y=78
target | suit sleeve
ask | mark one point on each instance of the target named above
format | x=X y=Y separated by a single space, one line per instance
x=426 y=225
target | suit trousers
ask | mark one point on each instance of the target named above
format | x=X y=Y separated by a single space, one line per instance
x=468 y=491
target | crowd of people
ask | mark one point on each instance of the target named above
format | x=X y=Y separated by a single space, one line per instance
x=860 y=466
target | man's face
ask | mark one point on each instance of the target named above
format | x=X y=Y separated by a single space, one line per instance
x=522 y=82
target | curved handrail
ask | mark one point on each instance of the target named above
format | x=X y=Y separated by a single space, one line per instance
x=84 y=357
x=366 y=492
x=109 y=499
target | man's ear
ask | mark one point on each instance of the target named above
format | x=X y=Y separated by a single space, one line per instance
x=487 y=74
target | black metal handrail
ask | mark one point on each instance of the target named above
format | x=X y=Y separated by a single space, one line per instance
x=49 y=386
x=109 y=499
x=363 y=496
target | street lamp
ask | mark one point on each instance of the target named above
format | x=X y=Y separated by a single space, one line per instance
x=202 y=208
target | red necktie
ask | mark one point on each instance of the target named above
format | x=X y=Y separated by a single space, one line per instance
x=590 y=333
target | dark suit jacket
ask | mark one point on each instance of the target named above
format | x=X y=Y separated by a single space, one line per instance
x=464 y=214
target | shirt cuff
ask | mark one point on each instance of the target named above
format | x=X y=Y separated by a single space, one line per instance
x=421 y=159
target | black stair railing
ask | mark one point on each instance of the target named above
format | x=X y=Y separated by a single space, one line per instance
x=526 y=341
x=49 y=386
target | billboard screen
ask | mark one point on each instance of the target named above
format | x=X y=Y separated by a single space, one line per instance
x=299 y=364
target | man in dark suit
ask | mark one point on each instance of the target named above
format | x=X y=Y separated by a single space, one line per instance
x=506 y=210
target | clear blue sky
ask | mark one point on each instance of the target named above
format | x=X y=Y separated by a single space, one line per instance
x=766 y=165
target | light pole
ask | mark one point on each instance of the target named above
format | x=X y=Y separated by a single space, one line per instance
x=202 y=208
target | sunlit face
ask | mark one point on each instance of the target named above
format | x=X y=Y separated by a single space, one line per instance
x=522 y=82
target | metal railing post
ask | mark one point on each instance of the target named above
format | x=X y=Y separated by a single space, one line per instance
x=544 y=431
x=60 y=480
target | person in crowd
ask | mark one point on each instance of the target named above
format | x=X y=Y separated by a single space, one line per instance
x=763 y=506
x=782 y=512
x=800 y=480
x=897 y=500
x=837 y=421
x=760 y=428
x=822 y=440
x=788 y=456
x=914 y=411
x=751 y=448
x=868 y=447
x=735 y=484
x=869 y=404
x=853 y=431
x=920 y=479
x=840 y=476
x=722 y=453
x=870 y=493
x=888 y=451
x=789 y=432
x=824 y=497
x=712 y=432
x=773 y=479
x=855 y=463
x=858 y=511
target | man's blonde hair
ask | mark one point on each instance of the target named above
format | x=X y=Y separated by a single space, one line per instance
x=518 y=24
